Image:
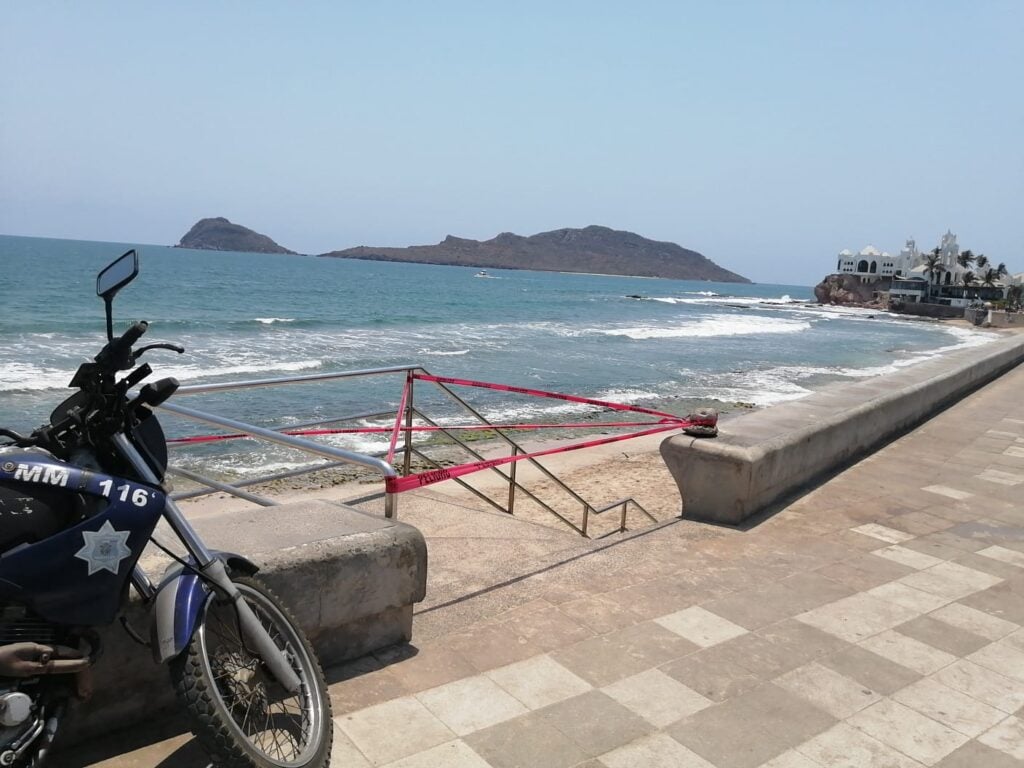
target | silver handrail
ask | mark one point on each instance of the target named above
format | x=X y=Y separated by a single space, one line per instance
x=329 y=452
x=340 y=456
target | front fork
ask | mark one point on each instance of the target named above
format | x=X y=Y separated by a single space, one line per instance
x=213 y=571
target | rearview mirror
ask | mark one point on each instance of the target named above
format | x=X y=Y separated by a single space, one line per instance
x=117 y=275
x=112 y=279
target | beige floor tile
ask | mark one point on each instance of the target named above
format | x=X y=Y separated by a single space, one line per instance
x=950 y=707
x=751 y=729
x=950 y=580
x=1003 y=555
x=910 y=732
x=1000 y=477
x=372 y=730
x=656 y=751
x=471 y=704
x=526 y=742
x=539 y=681
x=908 y=557
x=943 y=636
x=656 y=697
x=883 y=533
x=908 y=597
x=911 y=653
x=857 y=617
x=1015 y=639
x=791 y=759
x=452 y=754
x=700 y=626
x=949 y=493
x=871 y=670
x=595 y=722
x=1007 y=736
x=983 y=684
x=1001 y=658
x=344 y=753
x=713 y=674
x=835 y=693
x=973 y=620
x=598 y=662
x=974 y=754
x=843 y=746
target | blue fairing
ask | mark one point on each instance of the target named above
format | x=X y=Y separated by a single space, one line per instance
x=180 y=600
x=79 y=575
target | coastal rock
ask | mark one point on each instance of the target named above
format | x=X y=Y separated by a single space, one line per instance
x=850 y=291
x=219 y=234
x=592 y=249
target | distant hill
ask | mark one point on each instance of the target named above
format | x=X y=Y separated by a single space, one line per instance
x=592 y=249
x=219 y=234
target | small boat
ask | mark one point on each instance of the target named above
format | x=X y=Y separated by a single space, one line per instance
x=481 y=273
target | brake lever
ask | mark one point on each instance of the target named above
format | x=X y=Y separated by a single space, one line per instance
x=161 y=345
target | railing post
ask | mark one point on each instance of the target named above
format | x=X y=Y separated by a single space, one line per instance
x=407 y=462
x=586 y=519
x=622 y=523
x=391 y=505
x=512 y=482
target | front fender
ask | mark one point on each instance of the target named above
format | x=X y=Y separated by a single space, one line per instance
x=179 y=601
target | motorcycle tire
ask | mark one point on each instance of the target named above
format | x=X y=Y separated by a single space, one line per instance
x=240 y=714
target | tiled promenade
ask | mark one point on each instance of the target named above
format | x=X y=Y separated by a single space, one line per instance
x=876 y=621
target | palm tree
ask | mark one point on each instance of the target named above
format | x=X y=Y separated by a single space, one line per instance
x=968 y=278
x=1001 y=270
x=1013 y=295
x=932 y=266
x=965 y=259
x=981 y=261
x=990 y=277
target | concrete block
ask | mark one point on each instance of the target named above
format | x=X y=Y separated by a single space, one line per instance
x=766 y=456
x=350 y=579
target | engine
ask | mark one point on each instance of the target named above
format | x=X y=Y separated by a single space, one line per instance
x=30 y=705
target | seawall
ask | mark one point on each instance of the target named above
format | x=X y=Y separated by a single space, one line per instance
x=773 y=454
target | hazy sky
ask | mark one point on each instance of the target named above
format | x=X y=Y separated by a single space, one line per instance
x=766 y=135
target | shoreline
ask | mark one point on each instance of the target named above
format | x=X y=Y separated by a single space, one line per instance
x=596 y=473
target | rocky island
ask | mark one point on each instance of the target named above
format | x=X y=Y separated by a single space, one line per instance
x=593 y=249
x=219 y=234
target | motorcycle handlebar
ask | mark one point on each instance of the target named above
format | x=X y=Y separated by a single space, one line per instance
x=118 y=352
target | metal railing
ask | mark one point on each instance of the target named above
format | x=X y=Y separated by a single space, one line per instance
x=338 y=457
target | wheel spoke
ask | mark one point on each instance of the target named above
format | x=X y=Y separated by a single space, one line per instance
x=284 y=727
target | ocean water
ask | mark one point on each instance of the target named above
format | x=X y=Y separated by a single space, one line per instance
x=244 y=316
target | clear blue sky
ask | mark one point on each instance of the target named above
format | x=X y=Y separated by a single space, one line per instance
x=766 y=135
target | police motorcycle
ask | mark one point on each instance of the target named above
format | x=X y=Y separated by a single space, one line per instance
x=79 y=500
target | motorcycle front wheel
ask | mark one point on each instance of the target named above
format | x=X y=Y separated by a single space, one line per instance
x=241 y=715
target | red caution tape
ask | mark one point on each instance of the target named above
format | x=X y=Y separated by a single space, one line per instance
x=411 y=482
x=666 y=422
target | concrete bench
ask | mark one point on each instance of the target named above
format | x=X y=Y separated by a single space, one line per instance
x=349 y=578
x=771 y=454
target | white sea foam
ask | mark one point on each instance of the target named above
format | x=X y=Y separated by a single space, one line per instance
x=272 y=320
x=28 y=377
x=711 y=298
x=443 y=353
x=714 y=325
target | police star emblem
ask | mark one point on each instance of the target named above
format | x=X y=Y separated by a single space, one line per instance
x=104 y=549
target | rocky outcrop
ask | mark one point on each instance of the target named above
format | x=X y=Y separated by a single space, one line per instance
x=219 y=234
x=592 y=249
x=849 y=290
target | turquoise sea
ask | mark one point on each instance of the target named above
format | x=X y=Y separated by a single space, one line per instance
x=244 y=316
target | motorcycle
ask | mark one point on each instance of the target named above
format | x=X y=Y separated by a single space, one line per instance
x=79 y=500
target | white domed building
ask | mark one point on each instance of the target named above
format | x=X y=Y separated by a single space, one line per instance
x=870 y=264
